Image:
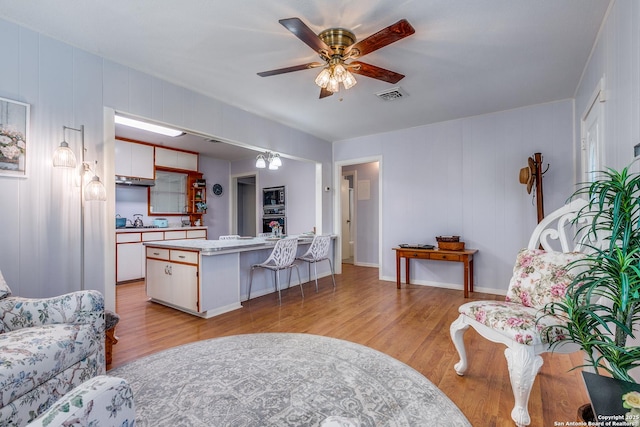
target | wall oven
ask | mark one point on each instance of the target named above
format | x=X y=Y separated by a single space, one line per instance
x=273 y=208
x=273 y=196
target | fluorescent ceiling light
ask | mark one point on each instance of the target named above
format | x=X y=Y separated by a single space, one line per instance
x=147 y=126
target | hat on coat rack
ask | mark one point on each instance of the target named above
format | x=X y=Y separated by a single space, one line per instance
x=527 y=174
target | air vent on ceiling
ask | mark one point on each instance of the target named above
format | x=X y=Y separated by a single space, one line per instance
x=392 y=94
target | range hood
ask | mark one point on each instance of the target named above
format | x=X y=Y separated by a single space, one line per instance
x=134 y=182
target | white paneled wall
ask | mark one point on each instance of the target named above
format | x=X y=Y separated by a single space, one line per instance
x=461 y=178
x=458 y=177
x=66 y=86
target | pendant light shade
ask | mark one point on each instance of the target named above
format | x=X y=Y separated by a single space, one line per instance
x=95 y=191
x=63 y=157
x=261 y=162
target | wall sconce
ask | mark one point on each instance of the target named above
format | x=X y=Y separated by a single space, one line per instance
x=270 y=159
x=64 y=157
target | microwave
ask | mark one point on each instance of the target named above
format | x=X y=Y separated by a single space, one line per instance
x=273 y=196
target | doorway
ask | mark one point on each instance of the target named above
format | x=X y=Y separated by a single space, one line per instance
x=358 y=211
x=245 y=206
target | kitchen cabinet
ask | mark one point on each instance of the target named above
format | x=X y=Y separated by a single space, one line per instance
x=130 y=252
x=176 y=159
x=173 y=277
x=129 y=261
x=134 y=160
x=197 y=194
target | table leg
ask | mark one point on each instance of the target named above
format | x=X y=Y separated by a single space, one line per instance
x=398 y=269
x=406 y=272
x=471 y=274
x=466 y=276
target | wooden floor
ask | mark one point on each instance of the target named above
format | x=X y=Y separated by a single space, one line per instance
x=411 y=325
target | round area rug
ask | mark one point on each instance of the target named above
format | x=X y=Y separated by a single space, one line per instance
x=277 y=379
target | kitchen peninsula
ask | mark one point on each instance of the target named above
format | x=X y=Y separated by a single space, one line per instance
x=210 y=277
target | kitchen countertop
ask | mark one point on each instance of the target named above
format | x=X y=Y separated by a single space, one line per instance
x=143 y=229
x=214 y=247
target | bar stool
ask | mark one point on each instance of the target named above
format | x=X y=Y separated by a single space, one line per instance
x=282 y=257
x=229 y=237
x=318 y=251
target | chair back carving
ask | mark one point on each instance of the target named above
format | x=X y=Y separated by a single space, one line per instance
x=284 y=252
x=560 y=231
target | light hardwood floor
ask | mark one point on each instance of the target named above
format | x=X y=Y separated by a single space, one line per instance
x=411 y=325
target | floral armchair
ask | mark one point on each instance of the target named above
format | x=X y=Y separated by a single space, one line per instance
x=47 y=347
x=539 y=276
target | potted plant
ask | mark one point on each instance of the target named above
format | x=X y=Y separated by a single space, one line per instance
x=602 y=304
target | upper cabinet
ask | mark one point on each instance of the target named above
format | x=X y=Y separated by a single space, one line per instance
x=175 y=159
x=134 y=160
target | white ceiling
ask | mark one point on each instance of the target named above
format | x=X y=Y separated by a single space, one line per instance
x=467 y=57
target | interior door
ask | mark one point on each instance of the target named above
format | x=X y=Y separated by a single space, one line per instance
x=592 y=144
x=592 y=136
x=345 y=203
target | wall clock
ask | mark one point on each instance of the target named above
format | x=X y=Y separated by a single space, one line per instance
x=217 y=189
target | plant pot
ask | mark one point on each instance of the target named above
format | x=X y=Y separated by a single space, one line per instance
x=585 y=413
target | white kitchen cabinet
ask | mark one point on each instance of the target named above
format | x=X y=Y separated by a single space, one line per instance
x=130 y=261
x=196 y=234
x=134 y=160
x=130 y=252
x=176 y=159
x=173 y=279
x=158 y=281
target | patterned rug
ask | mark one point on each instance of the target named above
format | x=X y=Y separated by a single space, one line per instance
x=277 y=379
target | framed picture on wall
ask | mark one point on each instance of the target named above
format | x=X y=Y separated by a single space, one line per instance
x=14 y=137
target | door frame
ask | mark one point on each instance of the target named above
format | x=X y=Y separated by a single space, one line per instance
x=594 y=106
x=337 y=208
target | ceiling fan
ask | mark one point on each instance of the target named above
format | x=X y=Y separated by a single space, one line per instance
x=339 y=50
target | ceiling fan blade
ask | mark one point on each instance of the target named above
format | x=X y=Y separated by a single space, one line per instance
x=382 y=38
x=291 y=69
x=324 y=93
x=374 y=72
x=306 y=34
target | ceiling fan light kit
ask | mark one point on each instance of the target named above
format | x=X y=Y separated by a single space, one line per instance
x=336 y=46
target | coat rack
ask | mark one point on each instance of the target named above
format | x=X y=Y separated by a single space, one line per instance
x=532 y=176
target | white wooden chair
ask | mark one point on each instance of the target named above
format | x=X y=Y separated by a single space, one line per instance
x=318 y=251
x=539 y=277
x=281 y=258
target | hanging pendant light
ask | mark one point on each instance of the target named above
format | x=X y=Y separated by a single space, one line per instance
x=268 y=160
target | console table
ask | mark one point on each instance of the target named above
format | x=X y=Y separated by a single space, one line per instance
x=465 y=256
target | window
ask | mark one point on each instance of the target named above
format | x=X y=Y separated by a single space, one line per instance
x=169 y=195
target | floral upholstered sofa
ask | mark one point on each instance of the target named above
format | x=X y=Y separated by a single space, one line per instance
x=47 y=348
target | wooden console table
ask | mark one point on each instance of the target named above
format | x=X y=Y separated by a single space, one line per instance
x=465 y=256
